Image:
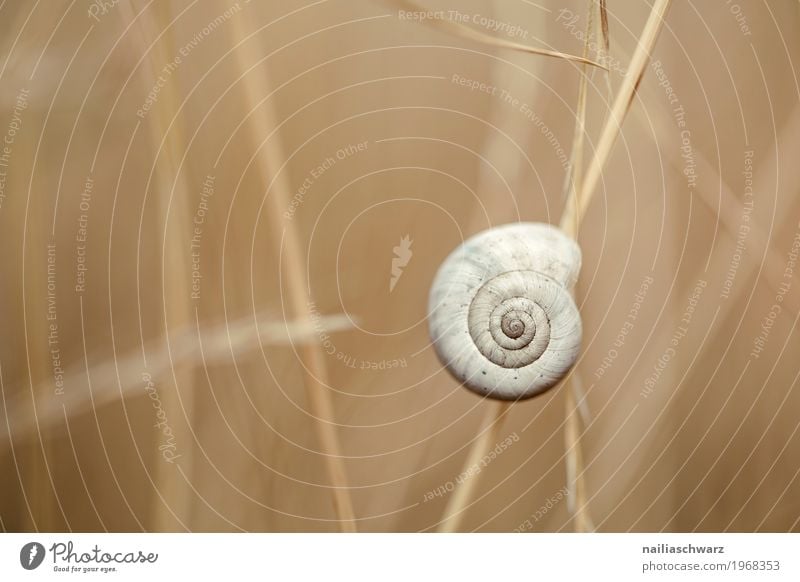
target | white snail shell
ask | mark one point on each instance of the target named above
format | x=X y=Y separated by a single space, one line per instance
x=501 y=315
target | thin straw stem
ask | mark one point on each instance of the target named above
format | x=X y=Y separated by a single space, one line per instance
x=464 y=31
x=310 y=354
x=487 y=436
x=114 y=379
x=573 y=178
x=577 y=205
x=573 y=182
x=167 y=144
x=576 y=479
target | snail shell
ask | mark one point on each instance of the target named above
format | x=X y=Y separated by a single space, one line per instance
x=501 y=315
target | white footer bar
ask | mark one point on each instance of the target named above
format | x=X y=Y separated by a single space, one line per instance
x=406 y=557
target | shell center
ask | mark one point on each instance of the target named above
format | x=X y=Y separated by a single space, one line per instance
x=512 y=327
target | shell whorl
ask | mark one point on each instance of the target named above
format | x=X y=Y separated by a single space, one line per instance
x=501 y=315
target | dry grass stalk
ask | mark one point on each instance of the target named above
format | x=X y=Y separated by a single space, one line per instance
x=121 y=377
x=577 y=205
x=605 y=47
x=577 y=504
x=154 y=36
x=603 y=10
x=577 y=501
x=488 y=433
x=47 y=505
x=287 y=238
x=42 y=503
x=572 y=178
x=469 y=33
x=580 y=194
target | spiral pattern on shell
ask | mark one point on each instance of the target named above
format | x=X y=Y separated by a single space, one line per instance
x=501 y=315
